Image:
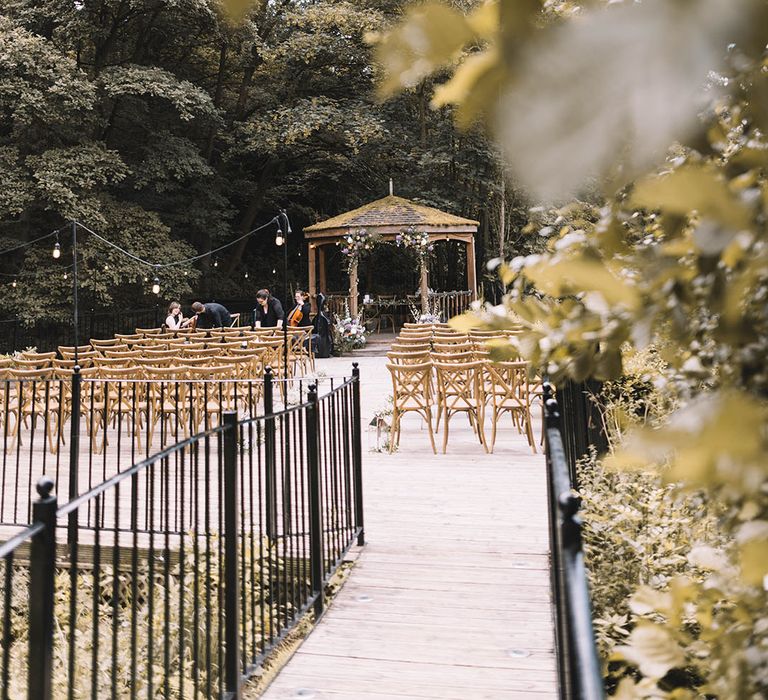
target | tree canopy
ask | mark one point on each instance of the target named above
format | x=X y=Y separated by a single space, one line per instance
x=172 y=128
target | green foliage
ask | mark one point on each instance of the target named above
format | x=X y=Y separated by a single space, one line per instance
x=209 y=123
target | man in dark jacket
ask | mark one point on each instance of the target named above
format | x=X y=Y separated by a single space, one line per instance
x=211 y=315
x=269 y=311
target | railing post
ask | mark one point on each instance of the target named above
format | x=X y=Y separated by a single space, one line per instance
x=232 y=675
x=316 y=557
x=270 y=468
x=42 y=571
x=74 y=453
x=357 y=453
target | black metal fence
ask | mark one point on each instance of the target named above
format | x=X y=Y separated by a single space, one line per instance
x=177 y=576
x=100 y=426
x=582 y=423
x=16 y=334
x=579 y=671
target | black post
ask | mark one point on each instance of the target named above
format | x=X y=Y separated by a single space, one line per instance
x=42 y=571
x=287 y=292
x=316 y=557
x=232 y=675
x=357 y=453
x=270 y=469
x=74 y=452
x=75 y=310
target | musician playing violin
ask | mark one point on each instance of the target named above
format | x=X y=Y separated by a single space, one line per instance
x=299 y=315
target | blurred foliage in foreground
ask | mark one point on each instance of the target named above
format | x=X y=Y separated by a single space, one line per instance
x=663 y=106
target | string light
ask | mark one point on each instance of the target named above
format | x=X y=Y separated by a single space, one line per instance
x=279 y=238
x=13 y=284
x=156 y=284
x=66 y=276
x=215 y=262
x=56 y=248
x=274 y=271
x=246 y=274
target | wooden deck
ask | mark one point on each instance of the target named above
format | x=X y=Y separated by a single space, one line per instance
x=450 y=596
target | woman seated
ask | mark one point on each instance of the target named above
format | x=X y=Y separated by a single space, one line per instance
x=300 y=314
x=175 y=318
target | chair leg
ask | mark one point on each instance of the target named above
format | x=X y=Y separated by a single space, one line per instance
x=394 y=433
x=446 y=419
x=429 y=428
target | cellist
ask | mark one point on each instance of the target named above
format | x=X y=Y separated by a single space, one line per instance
x=299 y=315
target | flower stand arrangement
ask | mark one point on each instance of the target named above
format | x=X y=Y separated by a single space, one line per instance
x=349 y=334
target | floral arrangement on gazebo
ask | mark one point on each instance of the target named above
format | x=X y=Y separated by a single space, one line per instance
x=417 y=241
x=355 y=244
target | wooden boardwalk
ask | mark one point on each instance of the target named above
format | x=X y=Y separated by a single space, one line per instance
x=450 y=596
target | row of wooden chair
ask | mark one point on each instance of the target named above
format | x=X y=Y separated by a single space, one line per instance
x=190 y=395
x=438 y=370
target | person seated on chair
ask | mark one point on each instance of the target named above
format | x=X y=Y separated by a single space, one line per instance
x=300 y=314
x=175 y=319
x=211 y=315
x=268 y=312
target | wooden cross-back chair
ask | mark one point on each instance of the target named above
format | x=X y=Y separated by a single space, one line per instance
x=28 y=399
x=105 y=342
x=169 y=402
x=212 y=392
x=410 y=394
x=460 y=390
x=509 y=392
x=119 y=400
x=33 y=362
x=70 y=350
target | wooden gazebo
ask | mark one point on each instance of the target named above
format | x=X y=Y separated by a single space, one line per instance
x=387 y=217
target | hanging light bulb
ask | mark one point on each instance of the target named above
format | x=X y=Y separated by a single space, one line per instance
x=246 y=274
x=106 y=267
x=215 y=262
x=66 y=276
x=56 y=249
x=13 y=284
x=156 y=286
x=279 y=238
x=274 y=272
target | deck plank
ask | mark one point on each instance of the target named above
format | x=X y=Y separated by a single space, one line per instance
x=450 y=596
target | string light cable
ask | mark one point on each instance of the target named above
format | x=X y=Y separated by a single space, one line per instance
x=195 y=258
x=33 y=241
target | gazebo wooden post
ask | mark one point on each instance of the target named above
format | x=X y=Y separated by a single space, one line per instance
x=321 y=260
x=353 y=289
x=312 y=276
x=424 y=284
x=471 y=268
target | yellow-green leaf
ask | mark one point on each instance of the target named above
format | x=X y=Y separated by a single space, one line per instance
x=693 y=188
x=653 y=650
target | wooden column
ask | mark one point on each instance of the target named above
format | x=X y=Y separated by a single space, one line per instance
x=353 y=290
x=471 y=269
x=321 y=260
x=312 y=276
x=424 y=285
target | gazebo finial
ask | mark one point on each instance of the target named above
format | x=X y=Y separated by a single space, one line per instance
x=391 y=187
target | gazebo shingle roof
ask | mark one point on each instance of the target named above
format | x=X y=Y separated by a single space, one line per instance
x=391 y=211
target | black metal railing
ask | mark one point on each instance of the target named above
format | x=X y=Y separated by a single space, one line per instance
x=181 y=573
x=579 y=671
x=581 y=422
x=15 y=334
